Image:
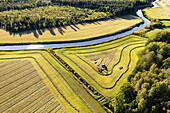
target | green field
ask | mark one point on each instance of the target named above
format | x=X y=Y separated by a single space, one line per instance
x=166 y=23
x=120 y=57
x=33 y=81
x=87 y=78
x=72 y=32
x=153 y=32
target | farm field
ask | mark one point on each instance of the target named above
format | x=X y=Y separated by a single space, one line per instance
x=166 y=23
x=161 y=12
x=70 y=33
x=153 y=32
x=33 y=81
x=119 y=56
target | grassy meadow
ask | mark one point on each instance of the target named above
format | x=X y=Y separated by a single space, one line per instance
x=153 y=32
x=33 y=81
x=119 y=56
x=70 y=33
x=166 y=23
x=161 y=12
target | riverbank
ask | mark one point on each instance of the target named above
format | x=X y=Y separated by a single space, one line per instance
x=72 y=33
x=161 y=13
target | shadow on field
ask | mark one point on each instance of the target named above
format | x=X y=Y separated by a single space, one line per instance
x=62 y=29
x=91 y=22
x=129 y=17
x=39 y=32
x=76 y=26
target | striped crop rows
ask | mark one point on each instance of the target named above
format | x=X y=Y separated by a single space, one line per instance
x=24 y=89
x=119 y=66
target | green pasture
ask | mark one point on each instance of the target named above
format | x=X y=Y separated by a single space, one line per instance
x=153 y=32
x=72 y=96
x=166 y=23
x=119 y=56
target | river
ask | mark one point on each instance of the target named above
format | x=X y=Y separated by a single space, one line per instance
x=43 y=46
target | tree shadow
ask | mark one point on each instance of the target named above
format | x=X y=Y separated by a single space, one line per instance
x=51 y=31
x=96 y=22
x=76 y=26
x=35 y=33
x=83 y=24
x=39 y=31
x=60 y=30
x=73 y=28
x=128 y=17
x=64 y=27
x=43 y=30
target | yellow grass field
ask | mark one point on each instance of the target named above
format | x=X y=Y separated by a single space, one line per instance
x=153 y=32
x=119 y=56
x=166 y=23
x=72 y=32
x=23 y=90
x=162 y=12
x=33 y=81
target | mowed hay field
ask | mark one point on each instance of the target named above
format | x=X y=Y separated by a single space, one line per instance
x=23 y=90
x=33 y=81
x=72 y=32
x=162 y=12
x=119 y=56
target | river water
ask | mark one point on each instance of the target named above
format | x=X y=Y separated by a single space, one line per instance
x=41 y=46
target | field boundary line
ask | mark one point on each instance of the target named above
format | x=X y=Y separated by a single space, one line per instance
x=111 y=67
x=44 y=73
x=95 y=80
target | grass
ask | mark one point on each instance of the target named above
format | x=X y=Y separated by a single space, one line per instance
x=161 y=12
x=166 y=23
x=22 y=88
x=152 y=32
x=48 y=88
x=71 y=33
x=115 y=54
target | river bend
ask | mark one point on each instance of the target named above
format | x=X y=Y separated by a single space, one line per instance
x=43 y=46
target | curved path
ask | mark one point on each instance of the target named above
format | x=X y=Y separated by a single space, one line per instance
x=43 y=46
x=113 y=85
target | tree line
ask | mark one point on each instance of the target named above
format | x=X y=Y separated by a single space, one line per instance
x=6 y=5
x=46 y=17
x=19 y=15
x=116 y=7
x=147 y=90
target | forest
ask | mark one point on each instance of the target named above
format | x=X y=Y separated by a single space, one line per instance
x=148 y=86
x=46 y=17
x=21 y=15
